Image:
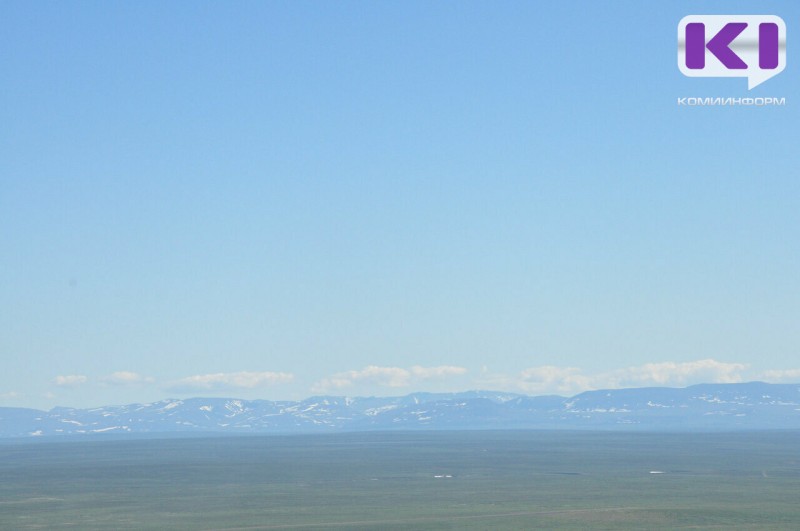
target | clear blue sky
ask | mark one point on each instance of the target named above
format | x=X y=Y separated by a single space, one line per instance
x=277 y=199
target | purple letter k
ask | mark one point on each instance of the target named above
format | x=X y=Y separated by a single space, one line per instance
x=718 y=45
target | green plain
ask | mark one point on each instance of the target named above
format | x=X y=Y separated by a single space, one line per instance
x=387 y=480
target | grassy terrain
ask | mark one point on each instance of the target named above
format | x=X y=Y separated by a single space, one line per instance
x=500 y=480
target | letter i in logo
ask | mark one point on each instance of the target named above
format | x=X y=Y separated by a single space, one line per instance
x=769 y=45
x=751 y=46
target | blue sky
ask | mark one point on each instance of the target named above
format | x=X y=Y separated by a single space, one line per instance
x=277 y=199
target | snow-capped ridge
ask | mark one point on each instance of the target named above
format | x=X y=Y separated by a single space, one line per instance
x=754 y=405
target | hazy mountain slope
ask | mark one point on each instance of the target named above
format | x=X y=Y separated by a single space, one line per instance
x=745 y=406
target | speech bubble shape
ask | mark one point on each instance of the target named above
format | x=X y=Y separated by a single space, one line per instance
x=751 y=46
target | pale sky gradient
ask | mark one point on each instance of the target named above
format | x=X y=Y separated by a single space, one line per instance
x=277 y=199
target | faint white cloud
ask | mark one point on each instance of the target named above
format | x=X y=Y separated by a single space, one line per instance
x=549 y=379
x=672 y=374
x=385 y=376
x=780 y=376
x=230 y=380
x=122 y=378
x=552 y=379
x=441 y=371
x=10 y=395
x=70 y=380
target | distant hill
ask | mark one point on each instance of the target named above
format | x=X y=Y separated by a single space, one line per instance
x=706 y=407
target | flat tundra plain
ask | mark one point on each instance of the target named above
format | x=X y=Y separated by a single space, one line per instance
x=406 y=480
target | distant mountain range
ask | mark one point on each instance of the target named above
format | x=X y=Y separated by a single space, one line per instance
x=743 y=406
